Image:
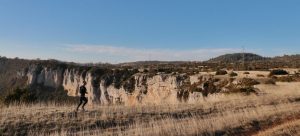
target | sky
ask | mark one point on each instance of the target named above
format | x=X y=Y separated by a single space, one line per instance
x=117 y=31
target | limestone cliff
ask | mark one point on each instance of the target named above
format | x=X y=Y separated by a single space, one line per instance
x=103 y=88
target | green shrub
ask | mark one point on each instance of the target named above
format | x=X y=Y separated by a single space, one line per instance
x=248 y=82
x=247 y=90
x=260 y=75
x=19 y=96
x=129 y=85
x=246 y=73
x=240 y=89
x=119 y=77
x=221 y=72
x=233 y=74
x=278 y=72
x=285 y=79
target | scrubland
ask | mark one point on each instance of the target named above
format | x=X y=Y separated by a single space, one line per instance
x=274 y=111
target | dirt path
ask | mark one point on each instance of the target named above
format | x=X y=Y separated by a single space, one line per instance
x=272 y=126
x=288 y=127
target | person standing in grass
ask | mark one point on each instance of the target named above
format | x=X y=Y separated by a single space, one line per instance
x=83 y=99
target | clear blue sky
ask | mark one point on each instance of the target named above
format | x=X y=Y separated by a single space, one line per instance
x=129 y=30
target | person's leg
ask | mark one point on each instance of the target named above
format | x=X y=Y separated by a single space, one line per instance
x=79 y=104
x=85 y=102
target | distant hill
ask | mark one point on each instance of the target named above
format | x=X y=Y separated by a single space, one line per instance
x=237 y=57
x=287 y=58
x=148 y=63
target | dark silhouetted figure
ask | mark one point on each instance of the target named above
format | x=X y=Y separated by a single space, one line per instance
x=83 y=99
x=205 y=89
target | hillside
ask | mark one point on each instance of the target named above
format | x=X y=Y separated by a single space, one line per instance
x=48 y=79
x=237 y=57
x=160 y=100
x=287 y=58
x=44 y=80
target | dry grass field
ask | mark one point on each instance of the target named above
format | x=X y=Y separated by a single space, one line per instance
x=275 y=111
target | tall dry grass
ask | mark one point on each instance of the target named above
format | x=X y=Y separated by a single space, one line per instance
x=231 y=114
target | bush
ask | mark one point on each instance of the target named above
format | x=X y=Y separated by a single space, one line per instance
x=221 y=72
x=20 y=95
x=248 y=82
x=129 y=85
x=209 y=88
x=238 y=89
x=248 y=90
x=246 y=73
x=233 y=74
x=278 y=72
x=285 y=79
x=195 y=89
x=260 y=75
x=245 y=85
x=119 y=77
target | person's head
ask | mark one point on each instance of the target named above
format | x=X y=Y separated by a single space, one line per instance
x=84 y=83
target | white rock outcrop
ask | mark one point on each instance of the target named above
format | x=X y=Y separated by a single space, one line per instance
x=161 y=88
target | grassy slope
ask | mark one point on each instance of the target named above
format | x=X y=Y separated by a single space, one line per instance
x=218 y=114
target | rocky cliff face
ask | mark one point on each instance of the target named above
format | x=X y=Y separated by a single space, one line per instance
x=44 y=76
x=102 y=88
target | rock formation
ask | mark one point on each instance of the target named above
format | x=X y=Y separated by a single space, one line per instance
x=139 y=88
